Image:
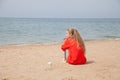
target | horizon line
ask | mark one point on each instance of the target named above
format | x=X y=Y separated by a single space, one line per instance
x=63 y=17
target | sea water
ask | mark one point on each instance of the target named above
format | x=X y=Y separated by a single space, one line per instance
x=51 y=30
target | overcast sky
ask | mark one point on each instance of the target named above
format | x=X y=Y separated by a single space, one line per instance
x=60 y=8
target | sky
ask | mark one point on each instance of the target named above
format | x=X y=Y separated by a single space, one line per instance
x=60 y=8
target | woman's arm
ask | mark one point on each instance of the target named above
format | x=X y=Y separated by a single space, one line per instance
x=65 y=45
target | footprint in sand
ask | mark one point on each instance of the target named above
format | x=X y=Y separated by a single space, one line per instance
x=69 y=78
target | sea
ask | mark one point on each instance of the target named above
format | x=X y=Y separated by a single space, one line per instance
x=52 y=30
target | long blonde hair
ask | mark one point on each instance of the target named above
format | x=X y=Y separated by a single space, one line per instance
x=77 y=37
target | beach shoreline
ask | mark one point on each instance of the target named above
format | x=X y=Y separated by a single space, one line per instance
x=30 y=62
x=56 y=43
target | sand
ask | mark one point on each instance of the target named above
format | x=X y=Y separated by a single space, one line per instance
x=30 y=62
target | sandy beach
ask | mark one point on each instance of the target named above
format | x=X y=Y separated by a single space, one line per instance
x=30 y=62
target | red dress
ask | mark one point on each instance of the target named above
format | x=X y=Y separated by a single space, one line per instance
x=75 y=54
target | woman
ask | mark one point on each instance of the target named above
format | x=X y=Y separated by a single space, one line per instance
x=75 y=46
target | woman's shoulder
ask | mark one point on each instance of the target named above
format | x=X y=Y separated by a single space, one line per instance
x=68 y=40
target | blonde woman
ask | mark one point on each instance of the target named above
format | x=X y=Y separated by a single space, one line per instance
x=75 y=46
